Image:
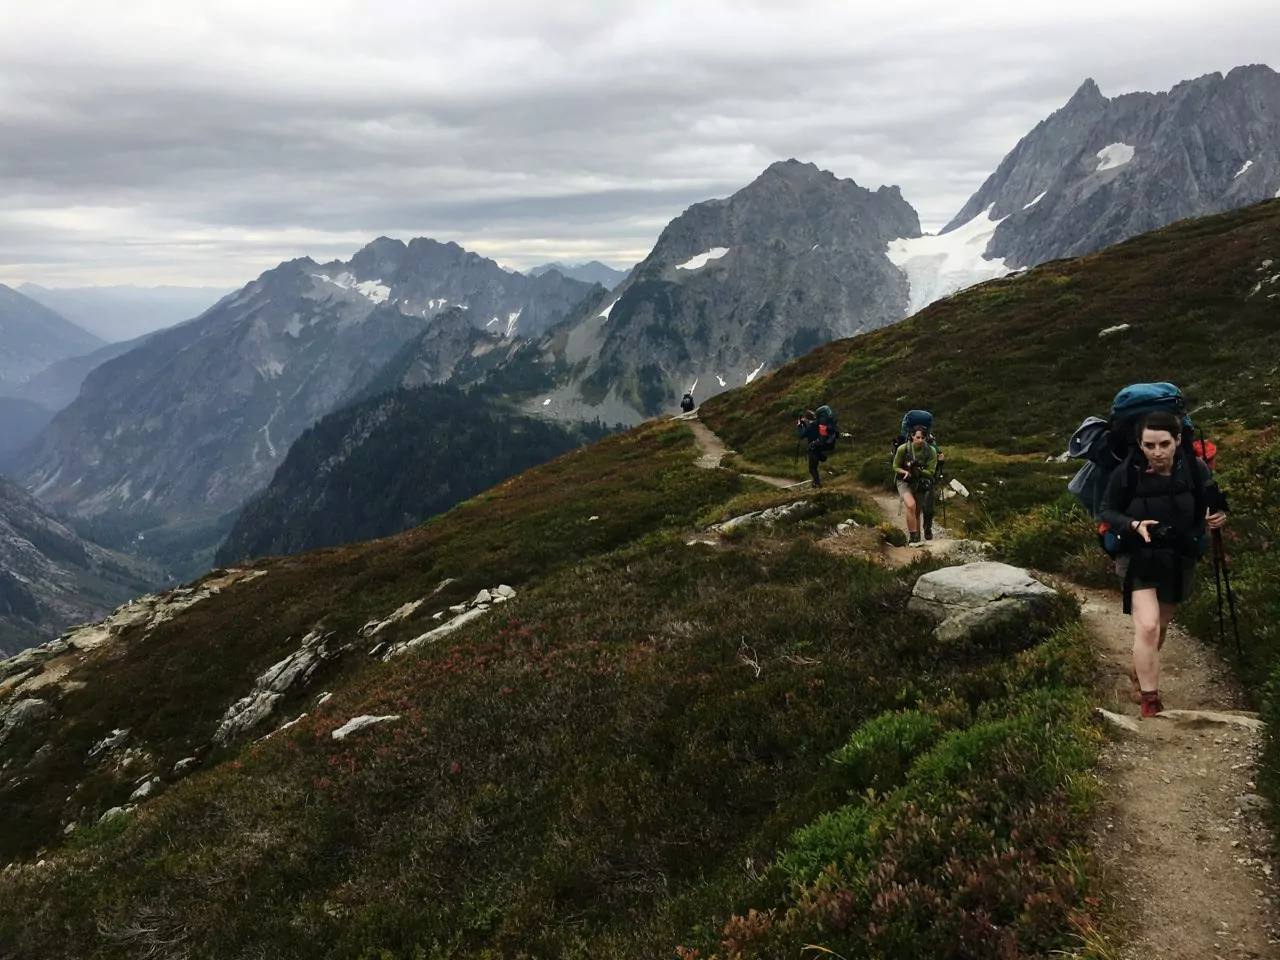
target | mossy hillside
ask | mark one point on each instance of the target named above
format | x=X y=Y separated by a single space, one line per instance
x=610 y=765
x=172 y=689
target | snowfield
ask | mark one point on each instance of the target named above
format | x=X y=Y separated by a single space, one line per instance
x=1114 y=155
x=937 y=265
x=754 y=373
x=701 y=260
x=1242 y=170
x=1035 y=201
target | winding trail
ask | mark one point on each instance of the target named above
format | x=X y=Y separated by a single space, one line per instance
x=1179 y=833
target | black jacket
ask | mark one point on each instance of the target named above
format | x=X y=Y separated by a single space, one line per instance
x=1135 y=492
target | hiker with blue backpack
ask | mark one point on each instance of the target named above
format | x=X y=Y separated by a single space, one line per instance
x=915 y=467
x=923 y=418
x=1157 y=505
x=818 y=429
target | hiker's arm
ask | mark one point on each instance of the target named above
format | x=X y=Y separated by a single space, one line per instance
x=1110 y=512
x=899 y=458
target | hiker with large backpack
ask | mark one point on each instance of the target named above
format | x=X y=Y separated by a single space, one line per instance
x=915 y=466
x=819 y=430
x=923 y=418
x=686 y=402
x=1157 y=507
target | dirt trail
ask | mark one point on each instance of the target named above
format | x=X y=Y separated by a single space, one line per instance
x=1180 y=835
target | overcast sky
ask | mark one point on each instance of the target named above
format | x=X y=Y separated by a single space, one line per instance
x=195 y=142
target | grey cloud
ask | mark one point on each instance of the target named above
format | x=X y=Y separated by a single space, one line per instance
x=206 y=147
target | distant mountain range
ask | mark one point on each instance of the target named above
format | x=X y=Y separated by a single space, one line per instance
x=195 y=419
x=32 y=336
x=116 y=313
x=591 y=272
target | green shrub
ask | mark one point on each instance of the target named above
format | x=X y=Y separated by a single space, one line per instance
x=879 y=753
x=894 y=536
x=846 y=837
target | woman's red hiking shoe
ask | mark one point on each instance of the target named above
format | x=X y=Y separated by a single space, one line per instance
x=1151 y=704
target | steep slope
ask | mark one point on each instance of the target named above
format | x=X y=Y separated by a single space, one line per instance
x=32 y=336
x=58 y=384
x=51 y=578
x=591 y=272
x=732 y=287
x=1101 y=170
x=196 y=419
x=387 y=464
x=125 y=312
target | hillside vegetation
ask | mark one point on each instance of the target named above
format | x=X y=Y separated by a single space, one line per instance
x=658 y=747
x=388 y=463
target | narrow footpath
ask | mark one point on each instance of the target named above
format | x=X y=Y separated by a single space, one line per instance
x=1179 y=834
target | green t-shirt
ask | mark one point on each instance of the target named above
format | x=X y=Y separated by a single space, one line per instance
x=925 y=455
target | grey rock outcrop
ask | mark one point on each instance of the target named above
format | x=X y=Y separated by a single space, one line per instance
x=359 y=723
x=790 y=511
x=1101 y=170
x=975 y=597
x=270 y=688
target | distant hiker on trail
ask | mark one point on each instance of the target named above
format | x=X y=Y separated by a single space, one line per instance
x=923 y=418
x=686 y=402
x=915 y=466
x=819 y=429
x=1161 y=502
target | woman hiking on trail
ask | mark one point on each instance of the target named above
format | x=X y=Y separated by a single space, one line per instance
x=1162 y=512
x=915 y=464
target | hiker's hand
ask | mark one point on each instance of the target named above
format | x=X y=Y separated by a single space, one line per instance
x=1144 y=529
x=1216 y=521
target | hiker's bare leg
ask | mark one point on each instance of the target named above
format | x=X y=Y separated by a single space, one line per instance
x=913 y=518
x=1146 y=638
x=1166 y=618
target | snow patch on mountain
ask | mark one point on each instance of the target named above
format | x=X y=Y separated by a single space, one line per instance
x=1114 y=155
x=511 y=321
x=937 y=265
x=375 y=290
x=1242 y=170
x=1034 y=202
x=754 y=373
x=701 y=260
x=607 y=310
x=721 y=379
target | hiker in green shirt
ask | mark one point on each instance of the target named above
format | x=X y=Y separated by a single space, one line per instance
x=915 y=465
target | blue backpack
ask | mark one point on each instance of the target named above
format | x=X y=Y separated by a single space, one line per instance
x=1105 y=445
x=911 y=420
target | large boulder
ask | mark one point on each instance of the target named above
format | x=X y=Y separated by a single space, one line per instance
x=976 y=597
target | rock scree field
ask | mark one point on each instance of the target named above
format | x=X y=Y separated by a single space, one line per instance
x=666 y=740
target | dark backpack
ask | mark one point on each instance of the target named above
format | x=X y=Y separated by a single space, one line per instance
x=913 y=419
x=686 y=403
x=1107 y=444
x=828 y=430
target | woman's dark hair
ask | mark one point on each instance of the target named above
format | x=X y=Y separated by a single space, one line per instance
x=1161 y=420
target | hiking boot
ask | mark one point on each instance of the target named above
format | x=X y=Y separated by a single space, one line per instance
x=928 y=533
x=816 y=484
x=913 y=538
x=1151 y=704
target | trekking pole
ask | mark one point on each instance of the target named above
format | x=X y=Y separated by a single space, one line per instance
x=1217 y=584
x=1220 y=550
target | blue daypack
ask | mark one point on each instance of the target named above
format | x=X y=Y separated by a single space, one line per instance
x=1105 y=445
